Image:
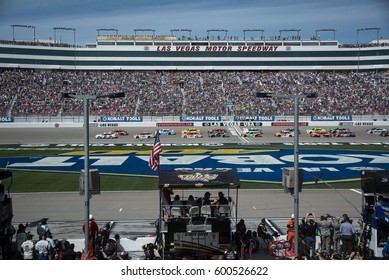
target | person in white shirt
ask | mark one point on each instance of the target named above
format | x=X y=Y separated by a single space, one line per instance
x=27 y=248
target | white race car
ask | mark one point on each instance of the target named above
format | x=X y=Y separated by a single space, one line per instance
x=106 y=135
x=375 y=130
x=144 y=135
x=192 y=135
x=167 y=131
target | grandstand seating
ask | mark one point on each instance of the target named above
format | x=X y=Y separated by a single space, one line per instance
x=186 y=93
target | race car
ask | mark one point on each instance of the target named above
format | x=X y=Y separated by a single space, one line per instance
x=320 y=134
x=215 y=130
x=375 y=130
x=192 y=129
x=283 y=133
x=192 y=135
x=144 y=135
x=384 y=133
x=120 y=132
x=218 y=134
x=252 y=134
x=287 y=132
x=252 y=130
x=106 y=135
x=167 y=131
x=315 y=129
x=343 y=132
x=336 y=130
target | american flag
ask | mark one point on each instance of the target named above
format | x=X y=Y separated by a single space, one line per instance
x=157 y=149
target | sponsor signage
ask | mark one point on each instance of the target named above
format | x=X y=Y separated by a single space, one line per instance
x=200 y=119
x=215 y=48
x=175 y=124
x=254 y=118
x=256 y=165
x=6 y=119
x=288 y=123
x=121 y=119
x=331 y=118
x=232 y=124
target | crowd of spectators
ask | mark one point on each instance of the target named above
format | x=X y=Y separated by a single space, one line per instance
x=26 y=92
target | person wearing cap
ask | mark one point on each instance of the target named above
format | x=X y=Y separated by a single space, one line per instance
x=42 y=228
x=207 y=198
x=290 y=233
x=27 y=248
x=93 y=231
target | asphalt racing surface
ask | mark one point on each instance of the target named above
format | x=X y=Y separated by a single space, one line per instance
x=136 y=211
x=64 y=135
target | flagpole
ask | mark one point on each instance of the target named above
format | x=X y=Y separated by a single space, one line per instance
x=159 y=234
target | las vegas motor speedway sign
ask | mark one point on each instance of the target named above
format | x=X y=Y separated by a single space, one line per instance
x=253 y=165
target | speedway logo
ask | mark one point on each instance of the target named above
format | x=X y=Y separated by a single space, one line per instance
x=251 y=165
x=197 y=177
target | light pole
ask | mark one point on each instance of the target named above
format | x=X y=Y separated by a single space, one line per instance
x=25 y=26
x=86 y=99
x=252 y=30
x=296 y=178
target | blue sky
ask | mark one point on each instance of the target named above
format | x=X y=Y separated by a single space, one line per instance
x=345 y=16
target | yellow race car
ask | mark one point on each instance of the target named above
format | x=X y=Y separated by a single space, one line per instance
x=315 y=130
x=191 y=130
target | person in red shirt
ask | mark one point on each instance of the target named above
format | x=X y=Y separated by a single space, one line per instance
x=93 y=231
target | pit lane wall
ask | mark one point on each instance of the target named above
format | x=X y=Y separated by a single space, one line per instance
x=196 y=121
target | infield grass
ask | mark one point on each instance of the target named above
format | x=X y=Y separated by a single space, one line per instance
x=48 y=181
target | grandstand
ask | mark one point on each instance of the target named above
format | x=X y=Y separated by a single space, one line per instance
x=167 y=76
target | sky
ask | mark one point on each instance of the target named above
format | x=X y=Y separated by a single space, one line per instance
x=271 y=16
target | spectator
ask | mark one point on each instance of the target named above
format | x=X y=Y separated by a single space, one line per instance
x=310 y=233
x=43 y=228
x=21 y=236
x=222 y=200
x=36 y=92
x=325 y=231
x=43 y=249
x=335 y=223
x=68 y=253
x=263 y=233
x=347 y=233
x=27 y=248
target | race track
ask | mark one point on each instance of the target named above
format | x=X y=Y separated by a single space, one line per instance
x=62 y=135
